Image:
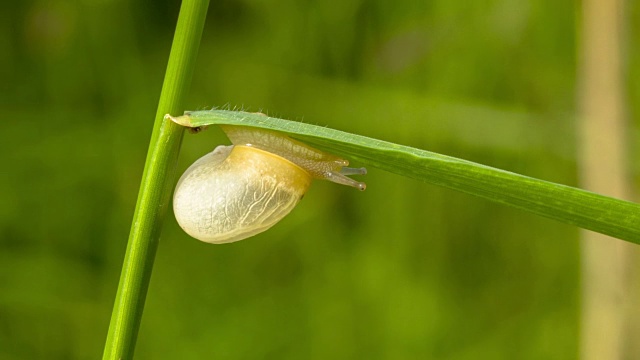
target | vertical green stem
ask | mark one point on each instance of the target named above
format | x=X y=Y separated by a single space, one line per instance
x=155 y=189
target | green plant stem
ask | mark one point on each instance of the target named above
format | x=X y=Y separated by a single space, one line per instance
x=610 y=216
x=155 y=188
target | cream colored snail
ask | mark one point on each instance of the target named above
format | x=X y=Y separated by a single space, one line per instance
x=243 y=189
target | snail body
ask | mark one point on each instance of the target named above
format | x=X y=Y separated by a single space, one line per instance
x=240 y=190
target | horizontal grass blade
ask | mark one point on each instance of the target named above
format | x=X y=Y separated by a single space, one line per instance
x=603 y=214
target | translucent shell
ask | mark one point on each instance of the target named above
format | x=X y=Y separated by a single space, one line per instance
x=235 y=192
x=241 y=190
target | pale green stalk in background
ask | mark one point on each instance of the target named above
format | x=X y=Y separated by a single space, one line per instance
x=607 y=283
x=155 y=189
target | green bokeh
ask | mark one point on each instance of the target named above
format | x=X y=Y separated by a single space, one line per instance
x=404 y=270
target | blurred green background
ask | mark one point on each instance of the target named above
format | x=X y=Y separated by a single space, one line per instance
x=404 y=270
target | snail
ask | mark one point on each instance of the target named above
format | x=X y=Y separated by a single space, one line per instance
x=240 y=190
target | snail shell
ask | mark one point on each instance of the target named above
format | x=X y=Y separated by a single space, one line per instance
x=241 y=190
